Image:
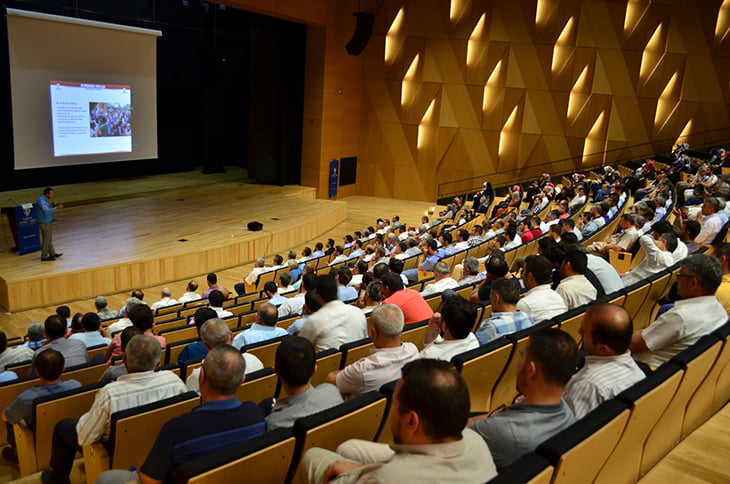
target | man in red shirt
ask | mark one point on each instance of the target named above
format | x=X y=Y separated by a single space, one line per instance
x=414 y=307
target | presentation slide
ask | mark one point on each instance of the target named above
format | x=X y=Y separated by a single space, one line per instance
x=90 y=119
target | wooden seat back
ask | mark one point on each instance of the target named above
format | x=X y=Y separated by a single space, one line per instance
x=265 y=350
x=258 y=386
x=351 y=352
x=481 y=368
x=327 y=361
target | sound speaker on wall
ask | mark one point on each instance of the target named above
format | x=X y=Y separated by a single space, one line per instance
x=254 y=226
x=363 y=30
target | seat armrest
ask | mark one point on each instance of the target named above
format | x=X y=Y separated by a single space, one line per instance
x=25 y=444
x=96 y=460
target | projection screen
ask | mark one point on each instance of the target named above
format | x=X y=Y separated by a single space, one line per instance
x=82 y=91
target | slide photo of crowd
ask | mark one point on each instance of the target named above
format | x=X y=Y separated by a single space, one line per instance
x=107 y=119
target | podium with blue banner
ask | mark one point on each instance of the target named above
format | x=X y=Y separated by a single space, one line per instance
x=24 y=227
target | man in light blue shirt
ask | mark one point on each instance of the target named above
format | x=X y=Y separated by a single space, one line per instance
x=345 y=292
x=505 y=318
x=263 y=329
x=91 y=335
x=272 y=291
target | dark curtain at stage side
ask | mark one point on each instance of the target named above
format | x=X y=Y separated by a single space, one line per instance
x=276 y=66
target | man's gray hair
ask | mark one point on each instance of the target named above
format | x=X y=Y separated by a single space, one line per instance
x=471 y=264
x=707 y=269
x=715 y=203
x=442 y=268
x=100 y=302
x=142 y=353
x=224 y=369
x=388 y=319
x=132 y=302
x=260 y=261
x=215 y=332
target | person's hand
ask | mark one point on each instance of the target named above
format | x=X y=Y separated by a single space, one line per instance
x=59 y=206
x=338 y=467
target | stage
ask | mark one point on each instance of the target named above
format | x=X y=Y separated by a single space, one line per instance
x=119 y=235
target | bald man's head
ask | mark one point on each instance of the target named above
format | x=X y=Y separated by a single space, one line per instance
x=606 y=330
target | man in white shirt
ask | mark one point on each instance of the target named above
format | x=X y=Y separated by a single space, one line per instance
x=335 y=323
x=190 y=293
x=696 y=314
x=575 y=288
x=609 y=368
x=658 y=257
x=711 y=224
x=449 y=332
x=442 y=275
x=385 y=362
x=165 y=301
x=259 y=266
x=540 y=301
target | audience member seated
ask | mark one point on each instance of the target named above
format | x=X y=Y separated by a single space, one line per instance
x=215 y=302
x=190 y=294
x=263 y=329
x=429 y=409
x=139 y=386
x=335 y=323
x=102 y=310
x=212 y=281
x=197 y=349
x=575 y=288
x=496 y=267
x=471 y=272
x=658 y=257
x=165 y=299
x=259 y=267
x=442 y=276
x=339 y=255
x=184 y=438
x=411 y=303
x=505 y=317
x=139 y=295
x=620 y=242
x=696 y=314
x=609 y=368
x=214 y=333
x=18 y=354
x=35 y=337
x=295 y=365
x=311 y=306
x=49 y=366
x=91 y=335
x=73 y=351
x=710 y=223
x=115 y=371
x=142 y=317
x=293 y=305
x=540 y=301
x=124 y=322
x=385 y=361
x=345 y=292
x=544 y=369
x=722 y=253
x=449 y=331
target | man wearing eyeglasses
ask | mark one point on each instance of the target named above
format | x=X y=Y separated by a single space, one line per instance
x=696 y=314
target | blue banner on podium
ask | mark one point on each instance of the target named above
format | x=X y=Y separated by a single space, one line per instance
x=29 y=239
x=334 y=177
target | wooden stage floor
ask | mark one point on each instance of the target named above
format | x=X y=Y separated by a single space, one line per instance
x=125 y=234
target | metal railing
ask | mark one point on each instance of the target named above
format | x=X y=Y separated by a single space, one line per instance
x=706 y=139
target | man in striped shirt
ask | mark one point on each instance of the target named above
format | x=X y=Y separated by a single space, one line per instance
x=141 y=385
x=609 y=368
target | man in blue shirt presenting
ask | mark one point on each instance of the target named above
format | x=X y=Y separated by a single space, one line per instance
x=44 y=209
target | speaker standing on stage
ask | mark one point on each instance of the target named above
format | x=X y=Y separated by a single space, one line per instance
x=45 y=208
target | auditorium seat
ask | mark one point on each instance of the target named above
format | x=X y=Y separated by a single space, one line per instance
x=179 y=334
x=22 y=368
x=266 y=459
x=327 y=361
x=93 y=351
x=174 y=349
x=187 y=367
x=660 y=283
x=571 y=322
x=132 y=434
x=264 y=350
x=414 y=333
x=173 y=323
x=722 y=386
x=259 y=385
x=481 y=368
x=696 y=362
x=699 y=407
x=647 y=399
x=635 y=297
x=34 y=442
x=351 y=352
x=579 y=451
x=359 y=418
x=529 y=469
